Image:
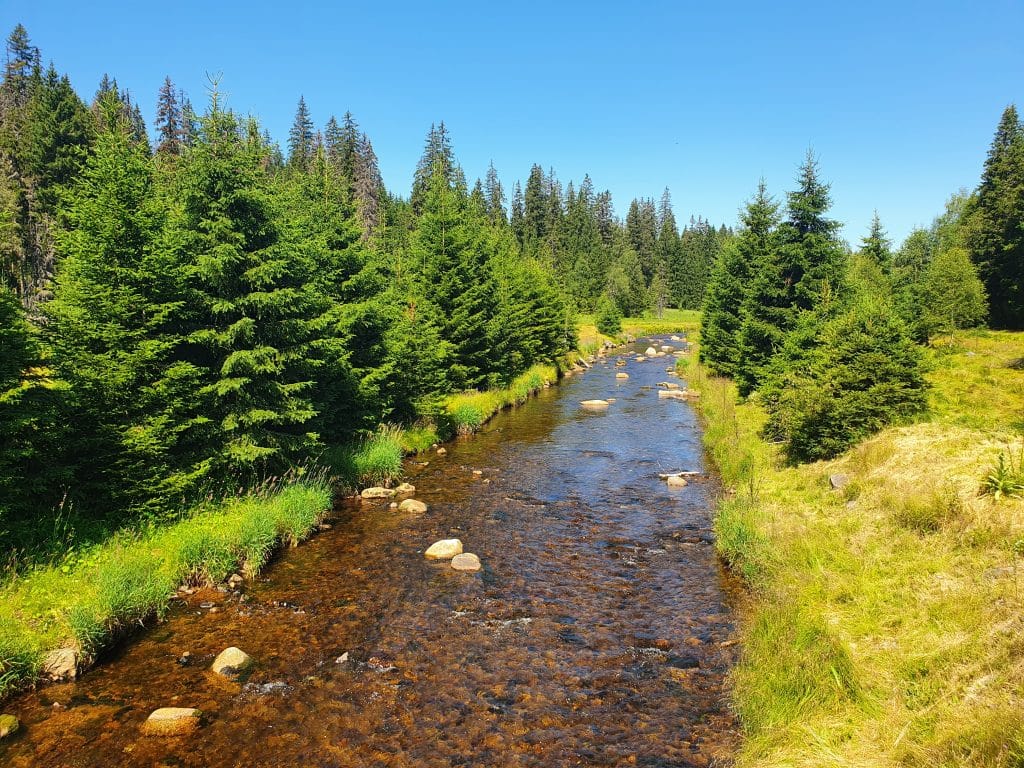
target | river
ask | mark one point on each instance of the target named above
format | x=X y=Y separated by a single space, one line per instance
x=597 y=634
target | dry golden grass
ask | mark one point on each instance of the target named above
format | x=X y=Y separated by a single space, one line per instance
x=887 y=621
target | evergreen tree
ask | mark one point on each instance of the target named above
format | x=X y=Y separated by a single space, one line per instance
x=301 y=137
x=641 y=229
x=495 y=197
x=876 y=246
x=952 y=295
x=803 y=268
x=170 y=128
x=437 y=157
x=722 y=318
x=996 y=223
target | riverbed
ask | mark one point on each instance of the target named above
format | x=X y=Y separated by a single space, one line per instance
x=597 y=634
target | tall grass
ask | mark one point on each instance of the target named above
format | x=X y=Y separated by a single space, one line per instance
x=885 y=617
x=130 y=578
x=468 y=411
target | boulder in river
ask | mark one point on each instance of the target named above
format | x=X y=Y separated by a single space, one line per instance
x=445 y=549
x=405 y=488
x=61 y=664
x=9 y=725
x=466 y=561
x=594 y=405
x=667 y=348
x=412 y=505
x=650 y=352
x=232 y=662
x=172 y=721
x=621 y=375
x=377 y=493
x=676 y=481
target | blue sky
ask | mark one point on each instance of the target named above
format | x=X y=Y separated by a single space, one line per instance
x=898 y=99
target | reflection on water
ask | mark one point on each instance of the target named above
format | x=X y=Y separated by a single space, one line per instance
x=597 y=633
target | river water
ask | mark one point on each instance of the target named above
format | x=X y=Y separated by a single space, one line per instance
x=597 y=634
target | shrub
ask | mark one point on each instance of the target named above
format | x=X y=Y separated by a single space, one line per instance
x=608 y=317
x=840 y=381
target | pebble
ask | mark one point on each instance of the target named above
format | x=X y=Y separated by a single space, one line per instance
x=442 y=451
x=412 y=505
x=232 y=662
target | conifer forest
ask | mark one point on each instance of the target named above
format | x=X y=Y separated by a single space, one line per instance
x=212 y=339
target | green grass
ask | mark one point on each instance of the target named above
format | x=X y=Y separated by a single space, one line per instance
x=884 y=622
x=468 y=411
x=121 y=583
x=672 y=321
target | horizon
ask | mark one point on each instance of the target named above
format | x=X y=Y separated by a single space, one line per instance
x=937 y=86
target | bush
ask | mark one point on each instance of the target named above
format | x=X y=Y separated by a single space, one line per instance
x=841 y=381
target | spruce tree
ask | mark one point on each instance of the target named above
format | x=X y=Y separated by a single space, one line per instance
x=301 y=137
x=876 y=246
x=730 y=281
x=170 y=128
x=996 y=223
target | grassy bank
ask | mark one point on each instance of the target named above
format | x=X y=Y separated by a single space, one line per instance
x=885 y=624
x=672 y=321
x=97 y=594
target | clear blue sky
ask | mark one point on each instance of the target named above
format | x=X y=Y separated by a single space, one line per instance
x=898 y=99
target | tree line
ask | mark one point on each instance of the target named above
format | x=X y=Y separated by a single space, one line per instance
x=829 y=338
x=187 y=312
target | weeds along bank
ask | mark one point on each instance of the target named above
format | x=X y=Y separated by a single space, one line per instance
x=885 y=623
x=94 y=595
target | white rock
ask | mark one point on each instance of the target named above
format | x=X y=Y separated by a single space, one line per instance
x=231 y=662
x=675 y=481
x=442 y=451
x=621 y=375
x=650 y=352
x=667 y=348
x=466 y=561
x=377 y=493
x=172 y=721
x=595 y=405
x=412 y=505
x=61 y=664
x=445 y=549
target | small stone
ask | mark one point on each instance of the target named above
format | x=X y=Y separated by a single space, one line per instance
x=412 y=505
x=650 y=352
x=405 y=488
x=671 y=385
x=442 y=451
x=478 y=472
x=231 y=662
x=594 y=405
x=676 y=481
x=667 y=348
x=61 y=664
x=325 y=526
x=342 y=659
x=9 y=726
x=445 y=549
x=393 y=505
x=235 y=580
x=621 y=375
x=466 y=561
x=172 y=721
x=640 y=359
x=838 y=481
x=377 y=493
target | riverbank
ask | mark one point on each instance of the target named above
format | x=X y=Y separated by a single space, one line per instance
x=671 y=321
x=884 y=622
x=77 y=607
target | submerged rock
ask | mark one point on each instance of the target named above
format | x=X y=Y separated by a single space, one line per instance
x=61 y=664
x=594 y=405
x=412 y=505
x=232 y=662
x=445 y=549
x=676 y=481
x=9 y=725
x=466 y=561
x=621 y=375
x=405 y=488
x=172 y=721
x=377 y=493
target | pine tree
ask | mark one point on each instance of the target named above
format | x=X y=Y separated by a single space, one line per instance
x=730 y=281
x=996 y=223
x=876 y=246
x=495 y=197
x=300 y=137
x=437 y=157
x=170 y=128
x=641 y=229
x=248 y=292
x=22 y=68
x=803 y=268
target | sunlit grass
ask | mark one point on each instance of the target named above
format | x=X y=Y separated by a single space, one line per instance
x=130 y=578
x=468 y=411
x=886 y=618
x=671 y=321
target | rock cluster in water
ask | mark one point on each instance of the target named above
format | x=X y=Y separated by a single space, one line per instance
x=445 y=549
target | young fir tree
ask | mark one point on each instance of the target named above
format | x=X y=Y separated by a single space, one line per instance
x=805 y=264
x=170 y=123
x=876 y=246
x=449 y=248
x=437 y=157
x=996 y=223
x=730 y=281
x=952 y=295
x=494 y=195
x=248 y=292
x=137 y=433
